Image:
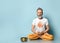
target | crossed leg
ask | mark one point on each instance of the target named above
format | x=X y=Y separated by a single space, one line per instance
x=45 y=36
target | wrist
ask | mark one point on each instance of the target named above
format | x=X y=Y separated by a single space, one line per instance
x=45 y=31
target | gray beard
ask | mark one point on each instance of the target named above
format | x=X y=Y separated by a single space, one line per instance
x=39 y=16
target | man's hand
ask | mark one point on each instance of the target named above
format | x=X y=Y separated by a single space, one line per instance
x=41 y=33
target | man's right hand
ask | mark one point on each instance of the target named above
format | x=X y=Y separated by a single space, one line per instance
x=39 y=33
x=36 y=32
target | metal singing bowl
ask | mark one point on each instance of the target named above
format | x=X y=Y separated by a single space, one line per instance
x=24 y=39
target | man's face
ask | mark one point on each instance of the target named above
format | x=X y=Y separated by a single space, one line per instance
x=39 y=13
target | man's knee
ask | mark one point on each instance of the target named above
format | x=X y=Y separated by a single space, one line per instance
x=47 y=36
x=32 y=36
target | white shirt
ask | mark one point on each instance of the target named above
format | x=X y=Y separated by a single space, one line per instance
x=40 y=24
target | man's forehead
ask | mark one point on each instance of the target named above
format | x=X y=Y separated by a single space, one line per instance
x=39 y=11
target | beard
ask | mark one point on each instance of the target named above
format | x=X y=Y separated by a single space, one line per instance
x=40 y=17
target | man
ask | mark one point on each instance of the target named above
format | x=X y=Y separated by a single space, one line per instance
x=40 y=27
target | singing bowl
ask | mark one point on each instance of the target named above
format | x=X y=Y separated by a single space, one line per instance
x=24 y=39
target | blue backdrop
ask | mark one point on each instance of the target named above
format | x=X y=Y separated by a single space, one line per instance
x=16 y=17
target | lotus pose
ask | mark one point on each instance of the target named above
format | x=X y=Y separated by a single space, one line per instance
x=40 y=27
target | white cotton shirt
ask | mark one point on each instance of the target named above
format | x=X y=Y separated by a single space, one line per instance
x=40 y=24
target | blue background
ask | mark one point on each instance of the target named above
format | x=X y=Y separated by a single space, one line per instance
x=16 y=17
